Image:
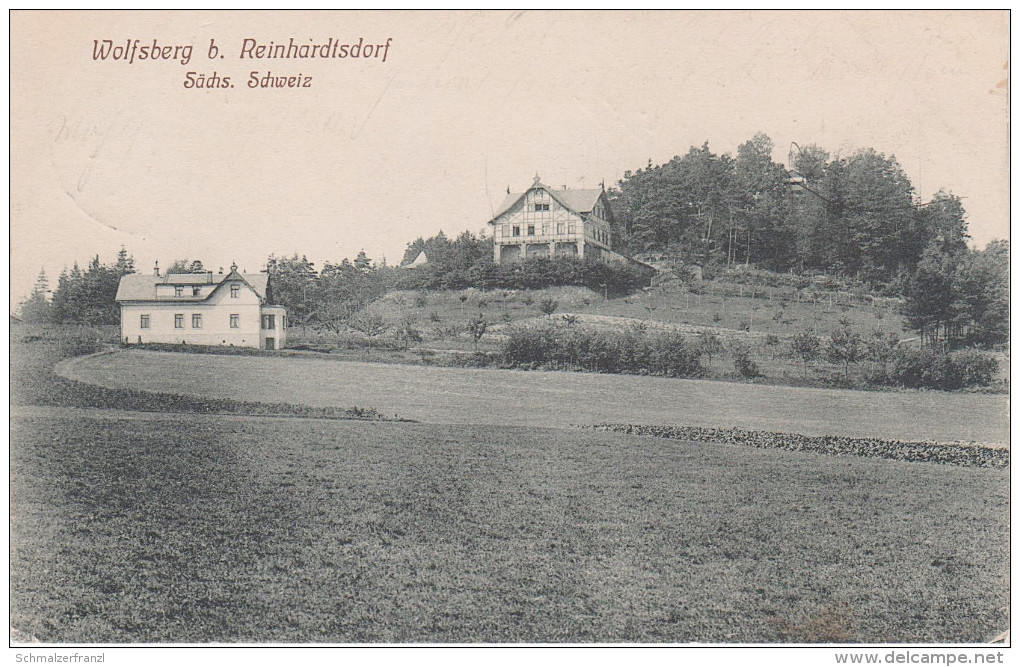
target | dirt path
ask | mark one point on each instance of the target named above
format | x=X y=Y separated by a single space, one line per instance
x=452 y=395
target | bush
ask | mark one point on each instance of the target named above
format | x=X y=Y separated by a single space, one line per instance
x=743 y=363
x=932 y=369
x=81 y=341
x=572 y=347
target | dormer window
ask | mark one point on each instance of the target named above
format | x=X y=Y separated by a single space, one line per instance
x=235 y=290
x=178 y=290
x=195 y=291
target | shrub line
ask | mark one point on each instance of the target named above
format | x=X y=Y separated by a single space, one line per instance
x=955 y=454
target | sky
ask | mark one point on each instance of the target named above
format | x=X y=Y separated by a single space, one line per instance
x=373 y=154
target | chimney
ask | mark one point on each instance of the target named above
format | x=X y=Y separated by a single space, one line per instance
x=156 y=270
x=564 y=187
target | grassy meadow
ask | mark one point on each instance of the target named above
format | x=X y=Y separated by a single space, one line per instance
x=141 y=527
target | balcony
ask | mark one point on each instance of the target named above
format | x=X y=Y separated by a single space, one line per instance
x=577 y=237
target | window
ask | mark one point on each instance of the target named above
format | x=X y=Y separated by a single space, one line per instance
x=545 y=228
x=144 y=324
x=178 y=290
x=195 y=291
x=559 y=227
x=235 y=321
x=506 y=230
x=269 y=321
x=531 y=230
x=235 y=291
x=196 y=321
x=284 y=323
x=572 y=228
x=517 y=230
x=541 y=207
x=179 y=321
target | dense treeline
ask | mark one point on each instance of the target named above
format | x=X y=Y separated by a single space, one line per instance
x=854 y=215
x=958 y=296
x=81 y=297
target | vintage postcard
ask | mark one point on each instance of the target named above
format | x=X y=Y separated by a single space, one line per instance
x=514 y=328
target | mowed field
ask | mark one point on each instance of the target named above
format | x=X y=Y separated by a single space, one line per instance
x=147 y=527
x=506 y=397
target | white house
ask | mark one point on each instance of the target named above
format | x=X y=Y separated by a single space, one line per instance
x=546 y=222
x=201 y=309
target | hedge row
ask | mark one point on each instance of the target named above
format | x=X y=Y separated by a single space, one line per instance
x=632 y=351
x=973 y=456
x=616 y=279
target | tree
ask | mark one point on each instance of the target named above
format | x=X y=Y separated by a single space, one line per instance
x=763 y=205
x=808 y=207
x=477 y=328
x=710 y=345
x=407 y=333
x=362 y=263
x=845 y=347
x=125 y=263
x=294 y=283
x=944 y=224
x=873 y=224
x=805 y=346
x=682 y=207
x=90 y=296
x=880 y=347
x=343 y=290
x=928 y=295
x=981 y=296
x=960 y=298
x=186 y=266
x=548 y=306
x=36 y=308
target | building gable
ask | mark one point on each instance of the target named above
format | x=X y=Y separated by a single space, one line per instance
x=580 y=202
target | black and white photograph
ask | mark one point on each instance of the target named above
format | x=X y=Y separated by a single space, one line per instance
x=509 y=329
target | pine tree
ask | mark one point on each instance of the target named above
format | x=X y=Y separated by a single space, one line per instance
x=36 y=309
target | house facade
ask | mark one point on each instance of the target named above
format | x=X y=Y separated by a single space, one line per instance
x=546 y=222
x=201 y=309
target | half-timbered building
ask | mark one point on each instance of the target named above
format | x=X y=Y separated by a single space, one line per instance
x=547 y=222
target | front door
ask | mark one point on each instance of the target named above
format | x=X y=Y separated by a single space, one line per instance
x=270 y=343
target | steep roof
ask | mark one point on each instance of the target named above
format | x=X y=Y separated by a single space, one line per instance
x=577 y=200
x=142 y=287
